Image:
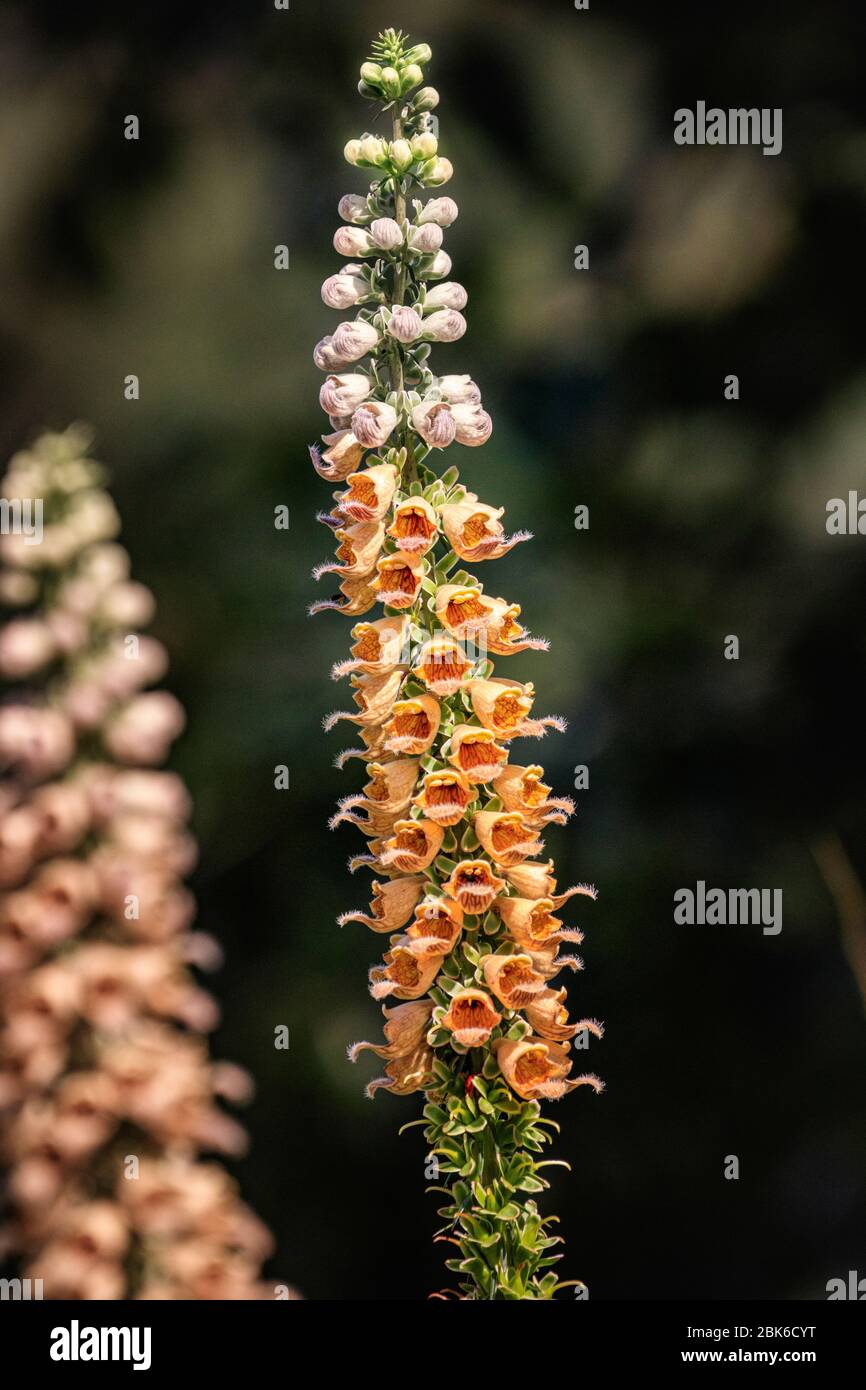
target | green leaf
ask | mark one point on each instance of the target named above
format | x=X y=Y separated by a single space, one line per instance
x=509 y=1212
x=532 y=1185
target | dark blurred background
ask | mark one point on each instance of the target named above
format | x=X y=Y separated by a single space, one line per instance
x=707 y=518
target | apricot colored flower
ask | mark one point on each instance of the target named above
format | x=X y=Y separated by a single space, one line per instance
x=539 y=1070
x=506 y=837
x=475 y=532
x=369 y=493
x=444 y=796
x=442 y=665
x=470 y=1017
x=415 y=526
x=474 y=885
x=413 y=725
x=453 y=824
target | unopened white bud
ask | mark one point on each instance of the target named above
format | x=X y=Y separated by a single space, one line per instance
x=342 y=394
x=352 y=241
x=354 y=339
x=325 y=356
x=373 y=422
x=426 y=239
x=447 y=296
x=427 y=99
x=458 y=389
x=474 y=426
x=386 y=233
x=445 y=326
x=373 y=150
x=352 y=207
x=435 y=423
x=424 y=146
x=440 y=210
x=405 y=324
x=439 y=266
x=389 y=79
x=343 y=291
x=437 y=172
x=420 y=53
x=400 y=154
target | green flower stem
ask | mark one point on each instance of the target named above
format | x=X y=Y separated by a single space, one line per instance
x=484 y=1138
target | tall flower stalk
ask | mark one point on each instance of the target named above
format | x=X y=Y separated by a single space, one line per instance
x=108 y=1097
x=454 y=822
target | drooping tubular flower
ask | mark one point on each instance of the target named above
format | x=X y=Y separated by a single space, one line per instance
x=108 y=1098
x=454 y=816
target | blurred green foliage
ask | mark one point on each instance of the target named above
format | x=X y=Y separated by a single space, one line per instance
x=706 y=518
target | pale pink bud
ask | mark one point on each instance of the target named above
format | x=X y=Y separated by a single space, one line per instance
x=326 y=358
x=64 y=816
x=127 y=605
x=193 y=1007
x=148 y=793
x=352 y=207
x=19 y=836
x=93 y=517
x=213 y=1129
x=437 y=172
x=231 y=1082
x=426 y=239
x=405 y=324
x=386 y=233
x=202 y=950
x=450 y=295
x=373 y=422
x=440 y=210
x=474 y=426
x=144 y=729
x=26 y=645
x=352 y=241
x=435 y=423
x=126 y=668
x=40 y=741
x=439 y=266
x=105 y=564
x=354 y=339
x=343 y=291
x=445 y=326
x=36 y=1180
x=457 y=389
x=343 y=393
